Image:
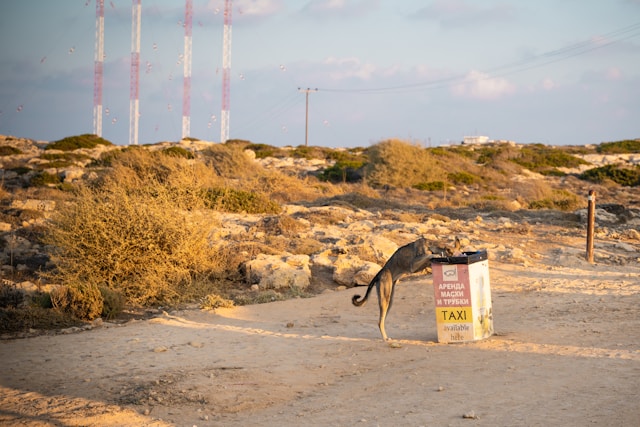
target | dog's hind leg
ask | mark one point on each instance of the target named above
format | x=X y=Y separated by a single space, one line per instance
x=385 y=292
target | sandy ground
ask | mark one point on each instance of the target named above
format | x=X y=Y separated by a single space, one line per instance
x=566 y=352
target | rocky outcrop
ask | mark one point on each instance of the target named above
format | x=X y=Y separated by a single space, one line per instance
x=279 y=271
x=352 y=247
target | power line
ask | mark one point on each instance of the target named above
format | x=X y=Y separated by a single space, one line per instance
x=553 y=56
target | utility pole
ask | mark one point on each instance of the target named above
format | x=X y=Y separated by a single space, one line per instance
x=306 y=121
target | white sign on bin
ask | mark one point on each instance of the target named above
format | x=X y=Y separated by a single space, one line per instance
x=462 y=294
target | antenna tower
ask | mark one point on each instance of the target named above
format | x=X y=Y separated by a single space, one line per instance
x=97 y=70
x=226 y=73
x=186 y=96
x=134 y=86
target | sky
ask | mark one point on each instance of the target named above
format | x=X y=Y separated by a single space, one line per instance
x=557 y=72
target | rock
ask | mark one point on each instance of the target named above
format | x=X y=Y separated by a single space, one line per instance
x=625 y=247
x=365 y=275
x=34 y=205
x=279 y=271
x=350 y=270
x=373 y=247
x=601 y=216
x=632 y=234
x=72 y=174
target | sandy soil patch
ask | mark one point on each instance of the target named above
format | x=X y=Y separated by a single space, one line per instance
x=566 y=352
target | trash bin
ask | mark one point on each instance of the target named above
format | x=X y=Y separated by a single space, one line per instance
x=462 y=297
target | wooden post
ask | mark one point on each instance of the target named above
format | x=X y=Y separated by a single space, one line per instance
x=591 y=220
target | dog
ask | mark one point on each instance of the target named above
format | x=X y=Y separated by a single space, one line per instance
x=408 y=259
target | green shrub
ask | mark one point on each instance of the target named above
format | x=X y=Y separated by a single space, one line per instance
x=462 y=178
x=45 y=179
x=430 y=186
x=458 y=150
x=628 y=177
x=488 y=154
x=619 y=147
x=70 y=157
x=83 y=301
x=113 y=302
x=559 y=199
x=309 y=152
x=74 y=142
x=176 y=151
x=21 y=170
x=538 y=157
x=231 y=200
x=56 y=164
x=552 y=172
x=342 y=171
x=10 y=296
x=7 y=150
x=263 y=150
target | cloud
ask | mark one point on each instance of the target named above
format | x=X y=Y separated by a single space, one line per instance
x=345 y=68
x=477 y=85
x=248 y=8
x=613 y=73
x=258 y=7
x=548 y=84
x=461 y=13
x=339 y=8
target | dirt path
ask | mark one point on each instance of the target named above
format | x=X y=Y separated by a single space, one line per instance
x=566 y=352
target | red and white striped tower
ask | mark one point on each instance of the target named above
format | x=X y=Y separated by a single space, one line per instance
x=134 y=86
x=226 y=73
x=186 y=96
x=97 y=69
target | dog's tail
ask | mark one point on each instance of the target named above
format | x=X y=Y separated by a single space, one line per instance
x=364 y=299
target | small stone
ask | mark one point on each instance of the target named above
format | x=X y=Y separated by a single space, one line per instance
x=471 y=415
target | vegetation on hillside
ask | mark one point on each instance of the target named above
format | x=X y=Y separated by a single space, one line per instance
x=140 y=232
x=74 y=142
x=620 y=147
x=625 y=176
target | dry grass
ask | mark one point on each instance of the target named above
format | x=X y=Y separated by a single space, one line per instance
x=142 y=230
x=138 y=232
x=399 y=164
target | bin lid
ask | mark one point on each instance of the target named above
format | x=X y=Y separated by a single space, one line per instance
x=465 y=258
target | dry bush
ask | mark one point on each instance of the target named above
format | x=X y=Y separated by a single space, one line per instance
x=304 y=246
x=138 y=232
x=239 y=171
x=284 y=225
x=399 y=164
x=113 y=302
x=142 y=171
x=82 y=301
x=213 y=301
x=230 y=161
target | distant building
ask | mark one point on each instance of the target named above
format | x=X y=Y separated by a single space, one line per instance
x=469 y=140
